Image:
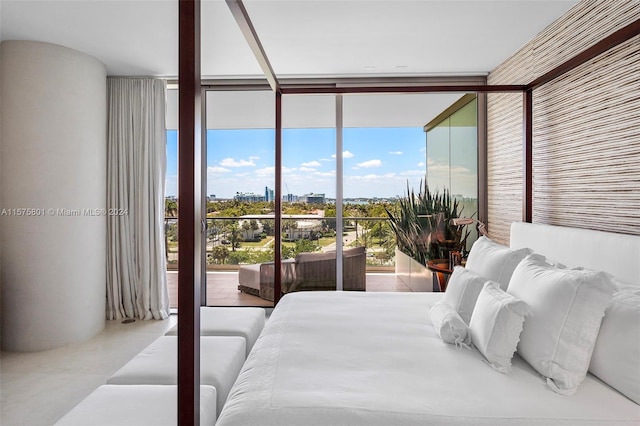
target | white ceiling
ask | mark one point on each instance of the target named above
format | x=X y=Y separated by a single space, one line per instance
x=256 y=110
x=301 y=37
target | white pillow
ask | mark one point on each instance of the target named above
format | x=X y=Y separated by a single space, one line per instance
x=616 y=357
x=462 y=291
x=448 y=324
x=496 y=325
x=494 y=261
x=567 y=307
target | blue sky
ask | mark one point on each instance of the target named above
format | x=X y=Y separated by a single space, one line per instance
x=378 y=162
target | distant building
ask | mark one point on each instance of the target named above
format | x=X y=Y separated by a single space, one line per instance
x=312 y=198
x=248 y=197
x=268 y=194
x=290 y=198
x=248 y=233
x=295 y=226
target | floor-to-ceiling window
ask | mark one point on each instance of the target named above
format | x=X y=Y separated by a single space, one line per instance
x=309 y=192
x=240 y=187
x=383 y=154
x=452 y=156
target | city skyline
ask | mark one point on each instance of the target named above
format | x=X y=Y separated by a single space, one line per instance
x=377 y=162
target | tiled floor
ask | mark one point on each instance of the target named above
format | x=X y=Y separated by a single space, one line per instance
x=37 y=389
x=222 y=288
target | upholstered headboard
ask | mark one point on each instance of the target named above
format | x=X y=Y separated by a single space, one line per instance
x=617 y=254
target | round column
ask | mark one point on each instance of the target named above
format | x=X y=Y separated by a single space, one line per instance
x=52 y=195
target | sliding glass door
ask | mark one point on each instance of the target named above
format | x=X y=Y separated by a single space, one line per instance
x=240 y=195
x=346 y=161
x=309 y=193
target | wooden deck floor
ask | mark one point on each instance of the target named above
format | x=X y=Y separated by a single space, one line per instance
x=222 y=288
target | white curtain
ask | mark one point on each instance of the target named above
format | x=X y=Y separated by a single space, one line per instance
x=136 y=161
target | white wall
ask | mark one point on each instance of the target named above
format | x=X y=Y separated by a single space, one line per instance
x=53 y=158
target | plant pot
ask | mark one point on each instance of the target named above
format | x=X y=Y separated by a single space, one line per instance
x=412 y=273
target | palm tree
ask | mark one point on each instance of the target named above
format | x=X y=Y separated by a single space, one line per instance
x=235 y=236
x=246 y=227
x=253 y=224
x=267 y=226
x=289 y=225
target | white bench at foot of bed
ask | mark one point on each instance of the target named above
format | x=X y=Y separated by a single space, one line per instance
x=137 y=405
x=221 y=358
x=244 y=322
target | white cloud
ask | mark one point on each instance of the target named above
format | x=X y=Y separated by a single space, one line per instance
x=368 y=164
x=311 y=164
x=421 y=164
x=374 y=177
x=271 y=171
x=459 y=170
x=345 y=154
x=395 y=152
x=307 y=169
x=265 y=171
x=217 y=170
x=230 y=162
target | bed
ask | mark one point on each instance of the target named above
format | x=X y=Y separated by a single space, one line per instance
x=346 y=358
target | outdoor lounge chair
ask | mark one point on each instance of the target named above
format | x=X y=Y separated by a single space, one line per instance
x=308 y=271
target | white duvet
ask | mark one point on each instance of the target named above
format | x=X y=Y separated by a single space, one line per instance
x=347 y=358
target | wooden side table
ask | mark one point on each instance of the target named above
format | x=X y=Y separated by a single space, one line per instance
x=440 y=267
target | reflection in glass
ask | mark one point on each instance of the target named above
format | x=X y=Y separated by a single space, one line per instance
x=452 y=158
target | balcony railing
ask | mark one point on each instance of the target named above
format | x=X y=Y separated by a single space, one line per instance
x=232 y=241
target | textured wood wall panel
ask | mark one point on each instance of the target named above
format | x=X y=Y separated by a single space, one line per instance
x=586 y=140
x=583 y=26
x=504 y=163
x=587 y=145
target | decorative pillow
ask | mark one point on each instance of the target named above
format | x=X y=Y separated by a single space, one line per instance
x=567 y=306
x=616 y=357
x=494 y=261
x=496 y=324
x=448 y=324
x=462 y=291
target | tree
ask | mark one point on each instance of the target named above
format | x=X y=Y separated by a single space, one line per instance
x=329 y=224
x=289 y=225
x=268 y=225
x=219 y=254
x=304 y=246
x=235 y=237
x=170 y=208
x=246 y=227
x=253 y=225
x=214 y=228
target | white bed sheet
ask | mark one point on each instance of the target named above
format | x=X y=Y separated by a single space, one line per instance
x=350 y=358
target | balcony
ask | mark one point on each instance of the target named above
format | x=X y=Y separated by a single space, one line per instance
x=232 y=241
x=222 y=288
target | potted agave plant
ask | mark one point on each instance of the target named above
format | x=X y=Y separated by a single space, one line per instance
x=424 y=231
